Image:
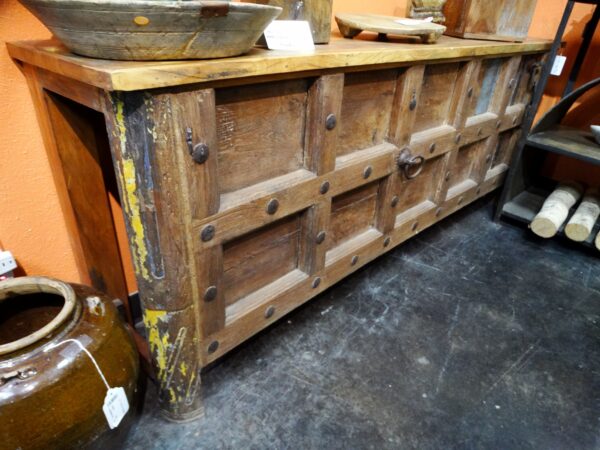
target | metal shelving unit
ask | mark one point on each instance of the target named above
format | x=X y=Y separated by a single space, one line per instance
x=525 y=189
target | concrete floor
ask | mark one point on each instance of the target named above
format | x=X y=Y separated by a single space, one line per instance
x=472 y=335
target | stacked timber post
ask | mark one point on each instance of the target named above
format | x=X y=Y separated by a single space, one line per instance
x=582 y=223
x=556 y=209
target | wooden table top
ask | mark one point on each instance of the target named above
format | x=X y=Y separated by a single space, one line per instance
x=365 y=51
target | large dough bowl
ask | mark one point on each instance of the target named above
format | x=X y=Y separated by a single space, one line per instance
x=154 y=30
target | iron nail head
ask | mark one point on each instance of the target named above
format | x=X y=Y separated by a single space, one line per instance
x=316 y=282
x=272 y=206
x=213 y=346
x=208 y=232
x=321 y=237
x=210 y=294
x=331 y=122
x=270 y=312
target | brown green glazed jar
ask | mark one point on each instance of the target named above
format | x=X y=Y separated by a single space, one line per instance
x=60 y=346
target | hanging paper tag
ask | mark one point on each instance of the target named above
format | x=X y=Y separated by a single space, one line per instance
x=559 y=65
x=290 y=35
x=115 y=406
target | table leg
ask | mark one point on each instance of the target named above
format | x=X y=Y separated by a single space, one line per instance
x=150 y=158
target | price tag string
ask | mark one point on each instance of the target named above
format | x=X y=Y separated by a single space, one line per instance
x=86 y=351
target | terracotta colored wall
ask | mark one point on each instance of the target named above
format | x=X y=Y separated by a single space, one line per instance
x=31 y=221
x=32 y=225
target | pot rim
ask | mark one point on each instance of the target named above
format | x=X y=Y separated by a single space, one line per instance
x=32 y=285
x=159 y=5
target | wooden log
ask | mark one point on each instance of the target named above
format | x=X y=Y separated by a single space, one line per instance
x=556 y=208
x=582 y=223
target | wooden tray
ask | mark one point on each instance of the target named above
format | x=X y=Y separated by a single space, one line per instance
x=351 y=25
x=141 y=30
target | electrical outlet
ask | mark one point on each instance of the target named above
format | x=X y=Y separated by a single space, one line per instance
x=7 y=263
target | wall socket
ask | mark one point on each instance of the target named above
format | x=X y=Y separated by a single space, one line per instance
x=7 y=264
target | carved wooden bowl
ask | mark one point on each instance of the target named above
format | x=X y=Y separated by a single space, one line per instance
x=154 y=30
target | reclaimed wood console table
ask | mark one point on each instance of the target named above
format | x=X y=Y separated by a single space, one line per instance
x=249 y=185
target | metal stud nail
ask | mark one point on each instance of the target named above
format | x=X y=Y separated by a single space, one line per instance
x=470 y=92
x=210 y=294
x=395 y=201
x=413 y=101
x=460 y=200
x=331 y=122
x=438 y=212
x=316 y=282
x=354 y=260
x=208 y=232
x=367 y=172
x=272 y=206
x=200 y=153
x=515 y=120
x=447 y=178
x=269 y=312
x=325 y=187
x=387 y=242
x=511 y=83
x=415 y=226
x=432 y=148
x=321 y=237
x=214 y=345
x=458 y=138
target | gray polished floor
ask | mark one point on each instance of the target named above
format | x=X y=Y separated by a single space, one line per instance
x=472 y=335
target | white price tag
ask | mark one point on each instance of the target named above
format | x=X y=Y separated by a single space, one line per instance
x=412 y=22
x=558 y=66
x=115 y=406
x=290 y=35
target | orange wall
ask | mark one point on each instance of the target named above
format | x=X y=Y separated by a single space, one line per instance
x=32 y=224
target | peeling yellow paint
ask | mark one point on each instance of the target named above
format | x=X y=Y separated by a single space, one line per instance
x=131 y=202
x=158 y=344
x=183 y=368
x=173 y=395
x=135 y=217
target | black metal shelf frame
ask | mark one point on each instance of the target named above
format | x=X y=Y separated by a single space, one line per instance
x=525 y=190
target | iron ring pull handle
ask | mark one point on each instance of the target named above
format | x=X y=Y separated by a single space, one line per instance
x=411 y=166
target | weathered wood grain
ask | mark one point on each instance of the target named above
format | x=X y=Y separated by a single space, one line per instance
x=82 y=159
x=352 y=213
x=259 y=258
x=261 y=127
x=366 y=110
x=506 y=20
x=341 y=53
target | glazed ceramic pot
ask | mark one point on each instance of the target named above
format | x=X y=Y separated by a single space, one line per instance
x=62 y=347
x=316 y=12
